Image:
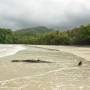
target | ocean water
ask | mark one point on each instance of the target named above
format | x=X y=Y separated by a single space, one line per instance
x=6 y=50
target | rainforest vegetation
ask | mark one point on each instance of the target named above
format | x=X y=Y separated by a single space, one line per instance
x=45 y=36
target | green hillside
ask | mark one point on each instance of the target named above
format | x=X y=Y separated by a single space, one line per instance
x=34 y=30
x=45 y=36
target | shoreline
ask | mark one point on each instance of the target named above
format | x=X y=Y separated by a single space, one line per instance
x=10 y=49
x=80 y=51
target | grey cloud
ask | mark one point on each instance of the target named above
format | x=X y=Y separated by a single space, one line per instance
x=52 y=13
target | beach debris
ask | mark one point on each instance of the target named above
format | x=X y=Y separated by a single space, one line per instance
x=80 y=63
x=31 y=61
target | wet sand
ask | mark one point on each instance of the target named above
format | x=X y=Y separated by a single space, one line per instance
x=81 y=51
x=63 y=74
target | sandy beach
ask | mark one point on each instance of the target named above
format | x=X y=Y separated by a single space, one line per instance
x=81 y=51
x=62 y=74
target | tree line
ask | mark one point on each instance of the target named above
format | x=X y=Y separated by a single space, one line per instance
x=76 y=36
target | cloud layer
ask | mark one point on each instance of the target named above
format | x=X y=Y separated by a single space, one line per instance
x=52 y=13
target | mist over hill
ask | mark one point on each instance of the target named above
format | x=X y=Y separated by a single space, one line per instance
x=18 y=14
x=35 y=30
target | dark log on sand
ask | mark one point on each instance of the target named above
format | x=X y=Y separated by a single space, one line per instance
x=31 y=61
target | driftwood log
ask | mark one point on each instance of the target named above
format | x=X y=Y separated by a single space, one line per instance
x=31 y=61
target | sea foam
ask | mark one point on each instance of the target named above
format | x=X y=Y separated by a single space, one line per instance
x=6 y=49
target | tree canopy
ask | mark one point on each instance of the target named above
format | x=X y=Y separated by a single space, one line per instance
x=76 y=36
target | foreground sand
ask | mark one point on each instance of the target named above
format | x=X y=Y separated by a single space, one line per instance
x=62 y=74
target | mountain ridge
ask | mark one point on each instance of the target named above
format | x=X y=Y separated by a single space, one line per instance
x=35 y=30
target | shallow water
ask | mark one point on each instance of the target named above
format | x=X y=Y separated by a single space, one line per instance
x=7 y=49
x=62 y=74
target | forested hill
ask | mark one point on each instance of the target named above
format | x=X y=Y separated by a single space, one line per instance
x=76 y=36
x=34 y=30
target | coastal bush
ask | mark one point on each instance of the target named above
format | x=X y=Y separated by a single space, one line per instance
x=76 y=36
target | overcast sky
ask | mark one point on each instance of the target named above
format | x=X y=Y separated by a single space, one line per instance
x=52 y=13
